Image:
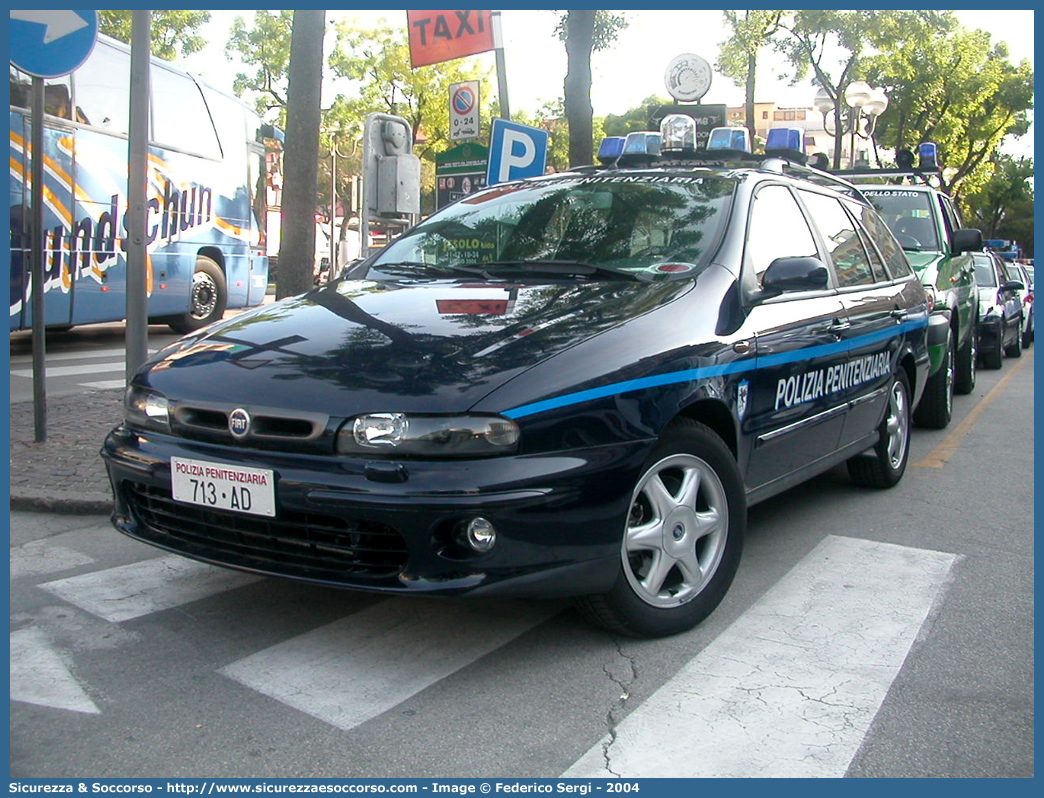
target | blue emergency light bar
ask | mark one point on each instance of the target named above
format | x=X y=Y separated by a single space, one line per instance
x=786 y=142
x=927 y=154
x=734 y=139
x=610 y=149
x=642 y=142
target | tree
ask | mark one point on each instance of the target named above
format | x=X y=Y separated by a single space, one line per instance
x=301 y=153
x=1003 y=206
x=265 y=46
x=583 y=31
x=831 y=44
x=379 y=60
x=738 y=58
x=173 y=32
x=949 y=85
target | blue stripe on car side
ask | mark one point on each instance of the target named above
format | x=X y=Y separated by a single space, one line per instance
x=691 y=375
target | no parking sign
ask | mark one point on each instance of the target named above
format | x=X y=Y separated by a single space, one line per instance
x=463 y=110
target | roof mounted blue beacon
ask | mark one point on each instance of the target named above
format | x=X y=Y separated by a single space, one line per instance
x=786 y=142
x=927 y=154
x=610 y=149
x=641 y=148
x=729 y=140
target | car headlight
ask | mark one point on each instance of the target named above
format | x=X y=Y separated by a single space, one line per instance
x=405 y=435
x=146 y=409
x=930 y=291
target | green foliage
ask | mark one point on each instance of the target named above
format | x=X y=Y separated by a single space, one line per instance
x=634 y=119
x=264 y=46
x=952 y=86
x=173 y=32
x=738 y=57
x=1002 y=207
x=607 y=27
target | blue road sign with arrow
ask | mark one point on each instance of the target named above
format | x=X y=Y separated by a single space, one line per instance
x=49 y=44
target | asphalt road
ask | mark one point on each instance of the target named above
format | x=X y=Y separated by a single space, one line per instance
x=867 y=634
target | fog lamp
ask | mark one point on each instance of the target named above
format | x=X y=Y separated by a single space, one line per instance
x=480 y=534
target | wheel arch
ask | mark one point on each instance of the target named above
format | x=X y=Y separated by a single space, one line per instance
x=215 y=255
x=715 y=414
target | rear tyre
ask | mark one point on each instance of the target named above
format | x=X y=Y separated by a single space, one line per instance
x=1015 y=350
x=683 y=538
x=936 y=405
x=967 y=360
x=1027 y=334
x=208 y=299
x=884 y=465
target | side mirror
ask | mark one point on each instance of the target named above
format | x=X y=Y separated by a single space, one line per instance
x=794 y=274
x=967 y=240
x=1013 y=285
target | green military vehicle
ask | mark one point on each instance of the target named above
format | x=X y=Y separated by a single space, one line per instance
x=927 y=225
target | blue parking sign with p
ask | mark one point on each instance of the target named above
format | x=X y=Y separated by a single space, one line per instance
x=515 y=151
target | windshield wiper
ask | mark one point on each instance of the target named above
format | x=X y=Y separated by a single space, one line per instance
x=442 y=267
x=565 y=267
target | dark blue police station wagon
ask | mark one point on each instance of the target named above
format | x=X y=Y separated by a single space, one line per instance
x=570 y=385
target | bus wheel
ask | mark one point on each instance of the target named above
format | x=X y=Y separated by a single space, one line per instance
x=208 y=300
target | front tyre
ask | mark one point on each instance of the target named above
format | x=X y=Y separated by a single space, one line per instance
x=208 y=298
x=683 y=538
x=884 y=465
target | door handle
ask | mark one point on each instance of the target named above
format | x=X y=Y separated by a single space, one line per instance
x=898 y=314
x=839 y=327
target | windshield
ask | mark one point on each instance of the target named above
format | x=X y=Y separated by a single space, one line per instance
x=598 y=226
x=908 y=215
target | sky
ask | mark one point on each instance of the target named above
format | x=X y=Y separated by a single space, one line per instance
x=631 y=70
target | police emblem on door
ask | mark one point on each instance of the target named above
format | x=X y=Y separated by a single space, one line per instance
x=742 y=393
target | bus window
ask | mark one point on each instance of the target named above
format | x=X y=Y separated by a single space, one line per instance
x=101 y=90
x=57 y=96
x=180 y=119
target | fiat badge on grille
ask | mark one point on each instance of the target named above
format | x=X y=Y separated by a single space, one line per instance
x=239 y=423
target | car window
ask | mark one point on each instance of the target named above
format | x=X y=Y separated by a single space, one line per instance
x=880 y=235
x=949 y=218
x=778 y=229
x=844 y=245
x=985 y=273
x=908 y=215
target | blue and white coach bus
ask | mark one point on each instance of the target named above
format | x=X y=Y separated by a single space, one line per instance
x=206 y=196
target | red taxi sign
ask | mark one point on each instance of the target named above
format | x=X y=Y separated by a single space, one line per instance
x=444 y=35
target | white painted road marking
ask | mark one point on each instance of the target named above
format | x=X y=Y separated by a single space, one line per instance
x=791 y=687
x=41 y=557
x=105 y=385
x=38 y=675
x=130 y=591
x=69 y=371
x=352 y=670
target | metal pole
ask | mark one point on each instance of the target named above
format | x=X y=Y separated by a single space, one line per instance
x=498 y=45
x=137 y=192
x=36 y=265
x=333 y=207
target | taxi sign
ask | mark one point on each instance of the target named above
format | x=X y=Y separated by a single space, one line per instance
x=49 y=44
x=444 y=35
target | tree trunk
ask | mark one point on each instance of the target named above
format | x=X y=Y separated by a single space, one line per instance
x=752 y=65
x=301 y=155
x=578 y=110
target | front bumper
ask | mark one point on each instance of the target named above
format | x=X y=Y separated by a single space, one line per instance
x=390 y=527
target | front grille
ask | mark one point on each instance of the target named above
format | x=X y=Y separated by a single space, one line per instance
x=278 y=430
x=290 y=543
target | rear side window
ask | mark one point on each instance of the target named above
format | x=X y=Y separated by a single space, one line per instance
x=778 y=229
x=843 y=242
x=101 y=90
x=882 y=237
x=180 y=118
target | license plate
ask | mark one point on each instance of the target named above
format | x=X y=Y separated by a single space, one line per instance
x=226 y=487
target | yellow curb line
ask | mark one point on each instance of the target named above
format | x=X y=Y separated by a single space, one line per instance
x=941 y=454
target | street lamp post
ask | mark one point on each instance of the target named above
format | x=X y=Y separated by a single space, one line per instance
x=865 y=104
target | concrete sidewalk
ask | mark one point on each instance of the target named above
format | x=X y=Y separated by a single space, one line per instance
x=64 y=474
